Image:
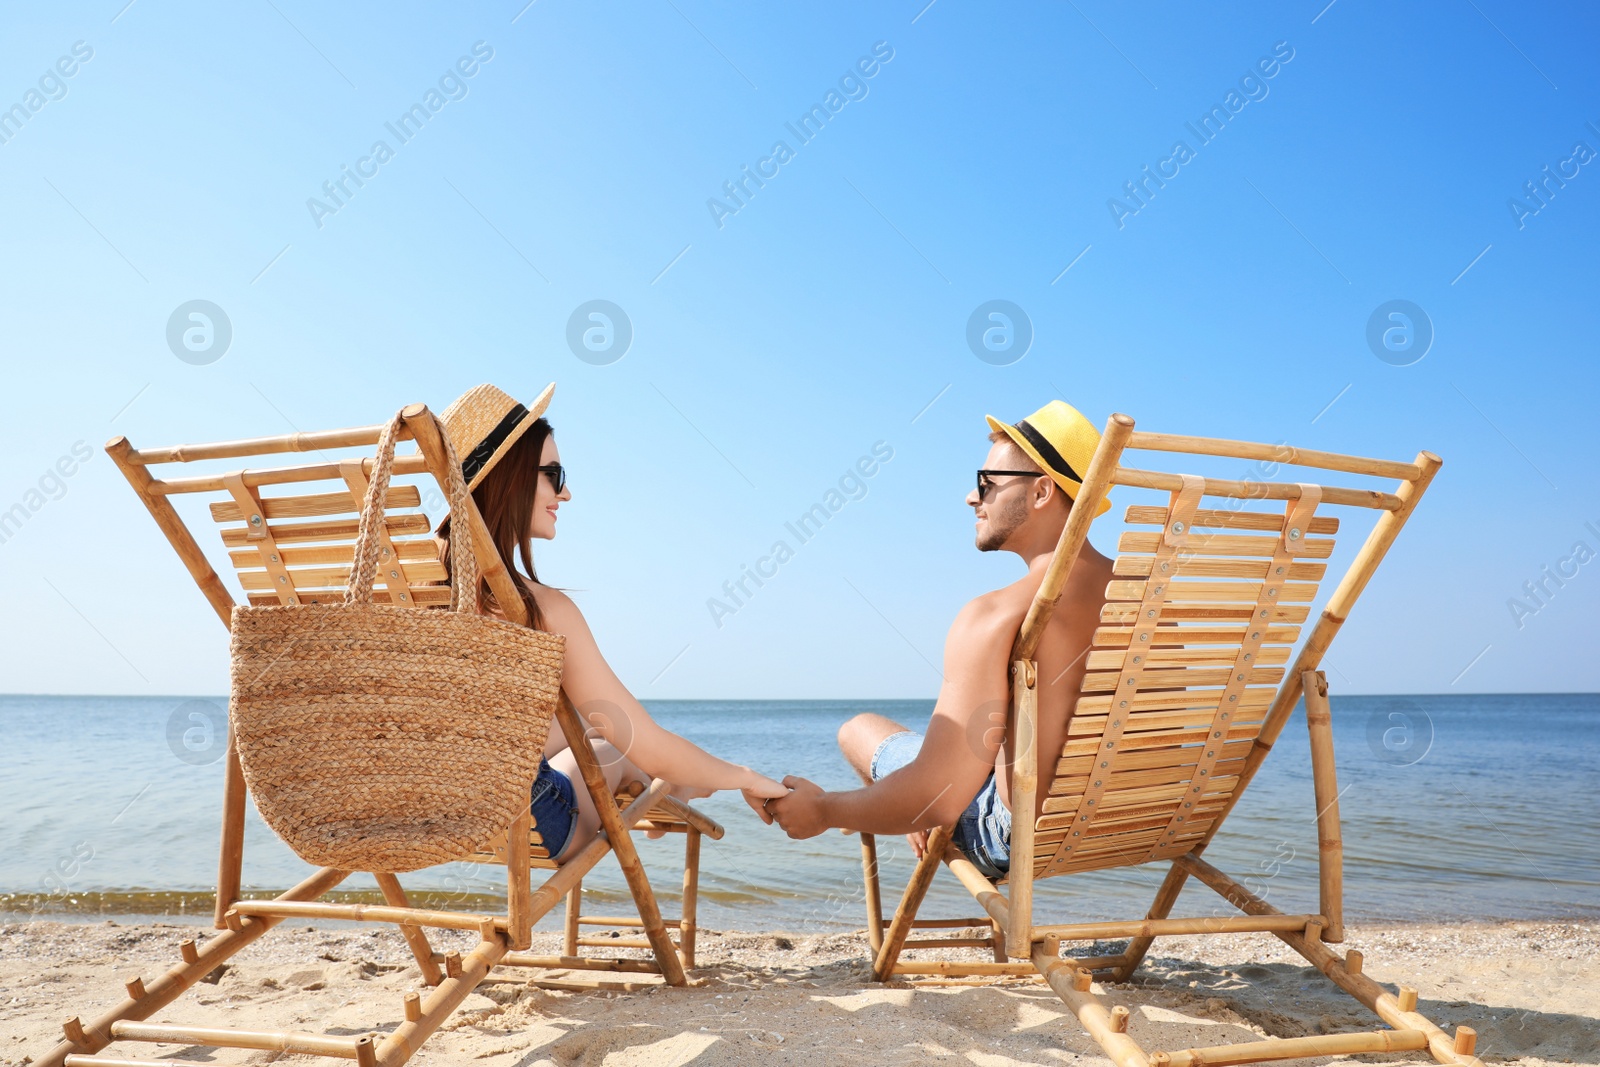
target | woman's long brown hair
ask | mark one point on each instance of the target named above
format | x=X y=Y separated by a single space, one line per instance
x=505 y=500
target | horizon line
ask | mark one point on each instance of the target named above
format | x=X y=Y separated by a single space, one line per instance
x=795 y=700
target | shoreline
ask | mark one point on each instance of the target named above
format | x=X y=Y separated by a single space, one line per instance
x=195 y=908
x=201 y=916
x=1531 y=988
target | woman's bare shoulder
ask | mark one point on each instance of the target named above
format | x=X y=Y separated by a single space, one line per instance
x=558 y=608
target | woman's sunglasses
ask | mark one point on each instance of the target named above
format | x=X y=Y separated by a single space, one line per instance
x=557 y=473
x=984 y=484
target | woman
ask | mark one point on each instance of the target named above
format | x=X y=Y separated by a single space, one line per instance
x=509 y=458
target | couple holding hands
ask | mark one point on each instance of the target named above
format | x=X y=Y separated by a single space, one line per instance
x=959 y=772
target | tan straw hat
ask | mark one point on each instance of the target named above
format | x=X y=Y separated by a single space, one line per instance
x=483 y=424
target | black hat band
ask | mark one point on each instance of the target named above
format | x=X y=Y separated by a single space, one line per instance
x=474 y=460
x=1047 y=452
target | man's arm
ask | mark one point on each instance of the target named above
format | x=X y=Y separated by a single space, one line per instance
x=957 y=755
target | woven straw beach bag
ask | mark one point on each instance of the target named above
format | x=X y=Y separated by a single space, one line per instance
x=381 y=738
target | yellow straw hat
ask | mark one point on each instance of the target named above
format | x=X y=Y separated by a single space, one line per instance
x=484 y=422
x=1061 y=441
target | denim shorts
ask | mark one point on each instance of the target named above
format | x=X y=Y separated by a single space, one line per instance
x=554 y=806
x=983 y=832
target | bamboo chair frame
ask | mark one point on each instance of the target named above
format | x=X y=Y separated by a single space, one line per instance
x=1009 y=912
x=505 y=937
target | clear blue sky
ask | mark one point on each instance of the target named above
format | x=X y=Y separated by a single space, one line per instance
x=1378 y=162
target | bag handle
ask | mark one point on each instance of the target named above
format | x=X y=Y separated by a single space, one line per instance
x=464 y=563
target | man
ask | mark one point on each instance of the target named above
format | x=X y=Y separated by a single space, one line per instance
x=960 y=771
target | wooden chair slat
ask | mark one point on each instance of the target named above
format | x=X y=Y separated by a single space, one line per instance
x=1145 y=515
x=1144 y=721
x=1160 y=739
x=1150 y=822
x=1128 y=820
x=1161 y=796
x=338 y=577
x=1179 y=592
x=303 y=507
x=334 y=530
x=1108 y=857
x=535 y=852
x=1125 y=846
x=1118 y=858
x=1126 y=613
x=1116 y=830
x=1222 y=544
x=1142 y=798
x=1106 y=681
x=1109 y=659
x=1123 y=780
x=1197 y=700
x=1280 y=453
x=1077 y=768
x=410 y=551
x=259 y=446
x=1208 y=567
x=422 y=597
x=1254 y=490
x=1173 y=636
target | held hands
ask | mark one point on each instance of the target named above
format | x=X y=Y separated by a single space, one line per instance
x=760 y=792
x=796 y=805
x=801 y=812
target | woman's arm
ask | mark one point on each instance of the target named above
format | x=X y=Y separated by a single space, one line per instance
x=605 y=704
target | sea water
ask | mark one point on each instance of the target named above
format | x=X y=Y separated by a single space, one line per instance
x=1453 y=807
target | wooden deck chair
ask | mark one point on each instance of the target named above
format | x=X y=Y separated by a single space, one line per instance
x=1186 y=690
x=297 y=548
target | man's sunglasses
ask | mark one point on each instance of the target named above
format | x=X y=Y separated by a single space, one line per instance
x=984 y=484
x=558 y=475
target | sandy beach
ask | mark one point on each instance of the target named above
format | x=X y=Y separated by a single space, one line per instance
x=1531 y=989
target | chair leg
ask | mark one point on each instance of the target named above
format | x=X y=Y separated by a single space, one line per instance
x=569 y=944
x=197 y=963
x=644 y=899
x=1166 y=897
x=1330 y=853
x=621 y=841
x=519 y=882
x=910 y=901
x=1399 y=1012
x=874 y=892
x=395 y=896
x=230 y=855
x=1000 y=954
x=1073 y=985
x=691 y=894
x=404 y=1040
